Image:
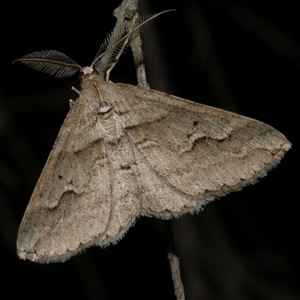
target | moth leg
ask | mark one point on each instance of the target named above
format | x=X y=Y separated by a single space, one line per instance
x=75 y=90
x=71 y=103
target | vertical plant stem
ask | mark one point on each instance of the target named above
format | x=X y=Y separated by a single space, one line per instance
x=124 y=14
x=173 y=260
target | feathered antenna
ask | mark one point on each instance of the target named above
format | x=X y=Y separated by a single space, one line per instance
x=107 y=46
x=58 y=64
x=118 y=38
x=51 y=62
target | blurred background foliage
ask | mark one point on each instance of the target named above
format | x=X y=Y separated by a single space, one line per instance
x=242 y=56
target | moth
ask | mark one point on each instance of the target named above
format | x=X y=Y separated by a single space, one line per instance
x=126 y=151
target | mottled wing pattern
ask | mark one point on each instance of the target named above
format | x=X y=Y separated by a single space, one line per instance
x=125 y=151
x=188 y=154
x=87 y=193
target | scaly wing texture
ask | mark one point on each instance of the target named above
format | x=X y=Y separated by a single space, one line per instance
x=86 y=194
x=188 y=154
x=125 y=151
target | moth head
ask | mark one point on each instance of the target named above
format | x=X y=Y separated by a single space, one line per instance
x=87 y=70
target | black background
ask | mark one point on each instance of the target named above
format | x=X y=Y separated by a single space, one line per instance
x=237 y=55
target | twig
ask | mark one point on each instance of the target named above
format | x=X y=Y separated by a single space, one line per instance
x=112 y=65
x=174 y=260
x=136 y=47
x=126 y=11
x=125 y=14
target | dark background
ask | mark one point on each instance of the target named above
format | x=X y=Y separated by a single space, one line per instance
x=237 y=55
